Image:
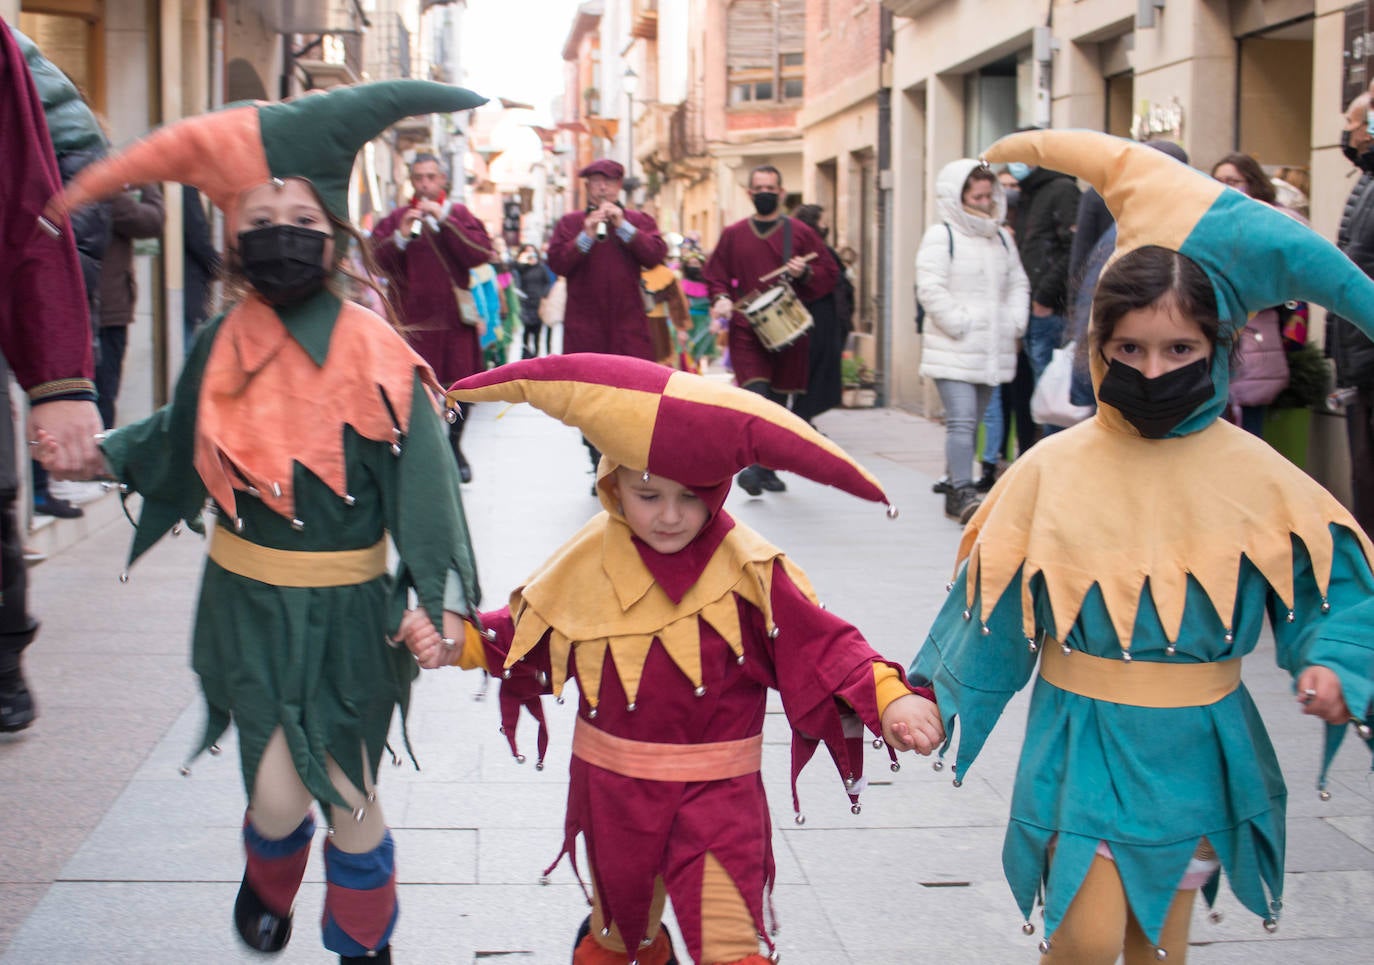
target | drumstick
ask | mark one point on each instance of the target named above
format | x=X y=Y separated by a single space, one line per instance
x=809 y=256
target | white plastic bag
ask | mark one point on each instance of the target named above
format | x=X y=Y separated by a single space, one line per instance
x=1050 y=405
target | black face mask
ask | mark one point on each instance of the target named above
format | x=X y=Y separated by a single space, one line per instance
x=765 y=203
x=692 y=272
x=283 y=262
x=1155 y=406
x=1364 y=160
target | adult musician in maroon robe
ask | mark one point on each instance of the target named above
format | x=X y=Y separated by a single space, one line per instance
x=601 y=252
x=426 y=249
x=45 y=336
x=748 y=250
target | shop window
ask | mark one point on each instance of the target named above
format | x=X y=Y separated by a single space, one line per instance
x=765 y=57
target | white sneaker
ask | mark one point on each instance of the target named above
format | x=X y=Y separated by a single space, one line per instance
x=74 y=491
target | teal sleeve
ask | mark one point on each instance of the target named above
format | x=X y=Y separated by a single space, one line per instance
x=1335 y=631
x=974 y=673
x=425 y=515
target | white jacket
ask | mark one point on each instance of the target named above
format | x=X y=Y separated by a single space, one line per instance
x=976 y=302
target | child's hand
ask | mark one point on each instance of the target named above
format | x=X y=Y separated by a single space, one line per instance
x=1319 y=692
x=912 y=723
x=45 y=449
x=417 y=632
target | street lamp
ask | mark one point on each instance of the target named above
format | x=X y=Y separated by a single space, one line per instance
x=630 y=83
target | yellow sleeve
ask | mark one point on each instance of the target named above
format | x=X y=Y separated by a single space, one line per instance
x=889 y=686
x=473 y=655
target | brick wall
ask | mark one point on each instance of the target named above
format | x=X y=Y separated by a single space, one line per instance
x=842 y=40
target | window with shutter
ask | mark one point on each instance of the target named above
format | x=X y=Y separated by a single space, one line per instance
x=765 y=51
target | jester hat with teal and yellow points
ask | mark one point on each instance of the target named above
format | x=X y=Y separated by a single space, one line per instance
x=1255 y=255
x=224 y=153
x=695 y=431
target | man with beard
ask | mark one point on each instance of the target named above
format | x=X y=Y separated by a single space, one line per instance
x=748 y=250
x=1352 y=350
x=426 y=249
x=601 y=251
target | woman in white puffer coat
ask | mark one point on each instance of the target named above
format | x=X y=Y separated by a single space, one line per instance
x=976 y=299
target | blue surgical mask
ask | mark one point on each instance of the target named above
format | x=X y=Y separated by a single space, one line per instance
x=1018 y=169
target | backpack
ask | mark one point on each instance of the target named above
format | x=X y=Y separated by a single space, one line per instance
x=920 y=309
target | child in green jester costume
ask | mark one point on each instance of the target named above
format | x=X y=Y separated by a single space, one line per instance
x=1130 y=562
x=312 y=430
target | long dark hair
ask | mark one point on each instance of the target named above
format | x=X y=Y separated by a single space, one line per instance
x=1258 y=186
x=1148 y=276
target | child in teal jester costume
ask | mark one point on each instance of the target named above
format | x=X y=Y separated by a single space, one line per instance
x=313 y=432
x=1129 y=564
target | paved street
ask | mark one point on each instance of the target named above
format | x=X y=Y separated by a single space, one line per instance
x=107 y=854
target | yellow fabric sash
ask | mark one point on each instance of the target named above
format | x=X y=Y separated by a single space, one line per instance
x=1140 y=683
x=650 y=761
x=293 y=568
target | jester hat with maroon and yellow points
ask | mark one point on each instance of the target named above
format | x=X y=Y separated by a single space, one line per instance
x=314 y=137
x=684 y=427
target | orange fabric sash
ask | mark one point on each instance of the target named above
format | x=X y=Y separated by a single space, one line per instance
x=667 y=762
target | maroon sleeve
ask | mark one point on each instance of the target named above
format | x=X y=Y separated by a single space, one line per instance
x=45 y=325
x=820 y=280
x=717 y=274
x=464 y=238
x=522 y=685
x=564 y=257
x=647 y=245
x=384 y=248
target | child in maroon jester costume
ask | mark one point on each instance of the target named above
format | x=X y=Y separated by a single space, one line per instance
x=676 y=620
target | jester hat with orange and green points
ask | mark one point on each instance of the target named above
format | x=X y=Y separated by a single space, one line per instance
x=684 y=427
x=314 y=137
x=1255 y=255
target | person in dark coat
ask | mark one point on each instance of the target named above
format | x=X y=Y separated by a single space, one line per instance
x=601 y=252
x=426 y=248
x=833 y=314
x=531 y=276
x=200 y=267
x=1352 y=349
x=45 y=339
x=1047 y=216
x=137 y=213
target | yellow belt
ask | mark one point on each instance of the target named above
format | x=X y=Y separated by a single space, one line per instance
x=1140 y=683
x=293 y=568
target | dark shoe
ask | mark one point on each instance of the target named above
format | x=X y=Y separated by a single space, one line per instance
x=988 y=477
x=16 y=704
x=941 y=486
x=769 y=480
x=381 y=956
x=464 y=470
x=260 y=929
x=750 y=482
x=961 y=503
x=60 y=508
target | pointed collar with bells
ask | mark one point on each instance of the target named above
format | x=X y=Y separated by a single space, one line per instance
x=279 y=386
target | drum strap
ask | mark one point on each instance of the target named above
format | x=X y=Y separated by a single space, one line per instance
x=786 y=239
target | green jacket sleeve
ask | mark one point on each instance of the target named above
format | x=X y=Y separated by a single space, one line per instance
x=156 y=456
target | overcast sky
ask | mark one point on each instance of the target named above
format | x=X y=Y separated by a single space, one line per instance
x=514 y=48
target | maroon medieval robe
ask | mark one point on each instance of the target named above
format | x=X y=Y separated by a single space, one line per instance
x=45 y=327
x=740 y=259
x=605 y=309
x=423 y=275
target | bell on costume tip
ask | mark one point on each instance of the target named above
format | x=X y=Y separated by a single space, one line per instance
x=958 y=783
x=539 y=764
x=519 y=758
x=276 y=490
x=216 y=750
x=937 y=765
x=372 y=796
x=359 y=814
x=892 y=511
x=895 y=766
x=1044 y=946
x=1215 y=917
x=699 y=692
x=1160 y=954
x=176 y=529
x=350 y=499
x=297 y=523
x=1270 y=925
x=773 y=633
x=855 y=808
x=544 y=879
x=800 y=819
x=1363 y=730
x=184 y=771
x=452 y=416
x=877 y=743
x=124 y=576
x=1028 y=929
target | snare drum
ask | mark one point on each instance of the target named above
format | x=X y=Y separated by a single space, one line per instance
x=778 y=318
